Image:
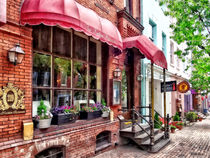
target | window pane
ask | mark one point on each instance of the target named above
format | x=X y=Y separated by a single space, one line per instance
x=92 y=52
x=80 y=99
x=61 y=42
x=92 y=97
x=92 y=78
x=41 y=94
x=41 y=70
x=80 y=75
x=62 y=98
x=116 y=92
x=80 y=48
x=38 y=95
x=62 y=72
x=41 y=37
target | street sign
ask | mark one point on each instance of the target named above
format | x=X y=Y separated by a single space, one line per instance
x=183 y=87
x=170 y=86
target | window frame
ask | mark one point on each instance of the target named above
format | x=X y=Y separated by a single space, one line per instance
x=52 y=88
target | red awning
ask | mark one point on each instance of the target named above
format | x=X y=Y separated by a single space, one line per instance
x=70 y=14
x=147 y=48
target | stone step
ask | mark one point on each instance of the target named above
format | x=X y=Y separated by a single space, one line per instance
x=127 y=132
x=145 y=135
x=157 y=138
x=158 y=146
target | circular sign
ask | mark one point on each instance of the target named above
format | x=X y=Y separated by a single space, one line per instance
x=183 y=87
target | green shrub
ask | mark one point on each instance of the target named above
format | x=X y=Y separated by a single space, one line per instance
x=157 y=122
x=176 y=117
x=191 y=116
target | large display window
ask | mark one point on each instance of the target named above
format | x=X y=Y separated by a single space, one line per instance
x=66 y=67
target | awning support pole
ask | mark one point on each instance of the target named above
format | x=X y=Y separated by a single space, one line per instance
x=164 y=96
x=152 y=108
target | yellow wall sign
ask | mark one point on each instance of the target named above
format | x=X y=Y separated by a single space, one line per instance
x=183 y=87
x=11 y=100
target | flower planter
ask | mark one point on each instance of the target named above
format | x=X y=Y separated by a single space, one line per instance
x=200 y=119
x=179 y=127
x=45 y=123
x=63 y=118
x=105 y=114
x=172 y=130
x=89 y=115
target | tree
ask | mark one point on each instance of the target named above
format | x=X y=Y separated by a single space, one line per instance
x=192 y=28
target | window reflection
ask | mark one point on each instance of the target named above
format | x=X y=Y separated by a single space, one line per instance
x=41 y=37
x=92 y=52
x=92 y=77
x=62 y=98
x=80 y=99
x=61 y=42
x=80 y=48
x=41 y=70
x=80 y=75
x=62 y=72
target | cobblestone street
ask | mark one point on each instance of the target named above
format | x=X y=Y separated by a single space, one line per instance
x=192 y=141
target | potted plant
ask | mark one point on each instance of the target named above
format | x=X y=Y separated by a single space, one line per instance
x=173 y=128
x=200 y=118
x=64 y=114
x=44 y=117
x=179 y=125
x=90 y=112
x=105 y=110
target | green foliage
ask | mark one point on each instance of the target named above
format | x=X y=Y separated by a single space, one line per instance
x=42 y=108
x=103 y=102
x=191 y=27
x=180 y=124
x=176 y=117
x=191 y=116
x=157 y=122
x=173 y=127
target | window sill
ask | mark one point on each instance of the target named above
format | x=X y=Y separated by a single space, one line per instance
x=68 y=127
x=102 y=147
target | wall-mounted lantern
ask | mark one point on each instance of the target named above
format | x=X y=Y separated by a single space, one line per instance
x=16 y=54
x=117 y=72
x=140 y=77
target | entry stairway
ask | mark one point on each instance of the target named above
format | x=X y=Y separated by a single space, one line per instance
x=144 y=135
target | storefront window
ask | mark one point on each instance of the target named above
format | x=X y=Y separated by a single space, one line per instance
x=66 y=67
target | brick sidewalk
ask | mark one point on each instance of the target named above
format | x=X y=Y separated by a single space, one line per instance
x=191 y=142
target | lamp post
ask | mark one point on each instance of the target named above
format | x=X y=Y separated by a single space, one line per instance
x=16 y=54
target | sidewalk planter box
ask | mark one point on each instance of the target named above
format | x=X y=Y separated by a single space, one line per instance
x=63 y=118
x=89 y=115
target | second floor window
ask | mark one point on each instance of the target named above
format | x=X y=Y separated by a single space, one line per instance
x=128 y=6
x=153 y=31
x=164 y=43
x=172 y=53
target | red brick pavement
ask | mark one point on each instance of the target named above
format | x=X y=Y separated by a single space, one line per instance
x=192 y=141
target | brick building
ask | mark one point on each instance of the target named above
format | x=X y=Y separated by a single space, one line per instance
x=37 y=75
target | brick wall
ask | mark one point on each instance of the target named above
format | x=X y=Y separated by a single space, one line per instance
x=19 y=75
x=78 y=142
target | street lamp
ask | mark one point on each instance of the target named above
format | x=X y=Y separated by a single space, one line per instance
x=16 y=54
x=117 y=72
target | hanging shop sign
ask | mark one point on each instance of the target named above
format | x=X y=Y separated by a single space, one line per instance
x=183 y=87
x=11 y=100
x=3 y=13
x=170 y=86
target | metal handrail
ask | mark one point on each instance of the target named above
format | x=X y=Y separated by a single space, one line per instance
x=139 y=115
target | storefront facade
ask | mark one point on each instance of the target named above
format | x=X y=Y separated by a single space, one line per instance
x=65 y=65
